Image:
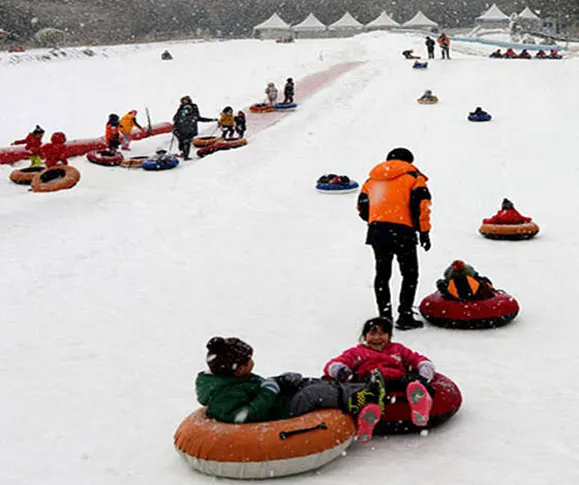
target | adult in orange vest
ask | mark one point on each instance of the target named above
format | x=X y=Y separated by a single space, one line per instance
x=126 y=125
x=395 y=202
x=444 y=43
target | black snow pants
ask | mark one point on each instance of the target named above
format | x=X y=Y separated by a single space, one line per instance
x=408 y=262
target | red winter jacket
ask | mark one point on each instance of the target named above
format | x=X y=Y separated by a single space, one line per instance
x=393 y=362
x=509 y=216
x=32 y=143
x=55 y=151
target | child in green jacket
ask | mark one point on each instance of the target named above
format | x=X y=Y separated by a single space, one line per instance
x=233 y=394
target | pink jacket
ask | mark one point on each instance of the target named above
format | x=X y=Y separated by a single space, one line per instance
x=393 y=362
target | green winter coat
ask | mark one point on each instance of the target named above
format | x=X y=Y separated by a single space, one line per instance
x=235 y=399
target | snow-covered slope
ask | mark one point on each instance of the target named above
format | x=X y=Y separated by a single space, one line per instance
x=111 y=290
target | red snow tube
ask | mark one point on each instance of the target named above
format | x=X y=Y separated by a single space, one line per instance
x=108 y=158
x=470 y=315
x=446 y=400
x=75 y=148
x=509 y=232
x=222 y=145
x=261 y=108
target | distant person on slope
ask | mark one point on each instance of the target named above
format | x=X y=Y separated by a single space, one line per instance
x=32 y=144
x=271 y=93
x=430 y=46
x=113 y=133
x=240 y=123
x=54 y=153
x=185 y=124
x=444 y=43
x=408 y=54
x=288 y=91
x=227 y=122
x=507 y=215
x=126 y=125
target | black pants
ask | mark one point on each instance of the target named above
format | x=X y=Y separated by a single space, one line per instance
x=408 y=262
x=431 y=53
x=227 y=131
x=288 y=99
x=446 y=52
x=184 y=143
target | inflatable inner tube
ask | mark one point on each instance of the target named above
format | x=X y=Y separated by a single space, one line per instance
x=284 y=106
x=55 y=178
x=432 y=100
x=108 y=158
x=134 y=162
x=158 y=165
x=203 y=141
x=24 y=176
x=485 y=117
x=509 y=232
x=226 y=144
x=420 y=65
x=446 y=401
x=264 y=450
x=261 y=108
x=469 y=315
x=335 y=184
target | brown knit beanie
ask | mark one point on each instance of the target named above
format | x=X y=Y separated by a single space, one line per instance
x=225 y=355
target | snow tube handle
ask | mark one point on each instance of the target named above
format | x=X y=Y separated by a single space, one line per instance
x=284 y=435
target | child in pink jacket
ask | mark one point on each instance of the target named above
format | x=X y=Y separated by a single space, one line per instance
x=400 y=366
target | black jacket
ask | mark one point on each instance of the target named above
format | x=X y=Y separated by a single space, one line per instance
x=185 y=120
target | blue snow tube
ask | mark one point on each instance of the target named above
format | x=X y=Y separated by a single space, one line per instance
x=157 y=165
x=485 y=117
x=284 y=106
x=420 y=65
x=337 y=188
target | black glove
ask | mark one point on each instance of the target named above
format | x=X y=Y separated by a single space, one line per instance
x=289 y=382
x=425 y=241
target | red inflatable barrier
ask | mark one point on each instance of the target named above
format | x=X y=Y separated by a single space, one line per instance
x=76 y=148
x=446 y=401
x=491 y=313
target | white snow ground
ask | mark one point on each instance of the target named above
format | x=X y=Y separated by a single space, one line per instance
x=111 y=290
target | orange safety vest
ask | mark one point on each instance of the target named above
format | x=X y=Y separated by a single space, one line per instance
x=472 y=283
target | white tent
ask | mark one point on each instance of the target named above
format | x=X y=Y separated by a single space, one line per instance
x=493 y=17
x=420 y=21
x=273 y=28
x=347 y=25
x=530 y=19
x=383 y=21
x=310 y=27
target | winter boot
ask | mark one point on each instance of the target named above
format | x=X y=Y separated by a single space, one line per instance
x=420 y=403
x=367 y=420
x=374 y=392
x=406 y=321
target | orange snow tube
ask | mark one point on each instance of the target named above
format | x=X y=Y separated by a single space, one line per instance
x=264 y=450
x=134 y=162
x=203 y=141
x=55 y=178
x=509 y=232
x=24 y=176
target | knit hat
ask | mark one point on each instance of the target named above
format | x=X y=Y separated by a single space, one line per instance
x=38 y=129
x=458 y=268
x=401 y=154
x=225 y=355
x=383 y=323
x=507 y=205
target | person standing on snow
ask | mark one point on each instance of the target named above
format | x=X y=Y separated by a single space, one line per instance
x=444 y=43
x=185 y=124
x=430 y=46
x=33 y=142
x=395 y=202
x=126 y=125
x=271 y=93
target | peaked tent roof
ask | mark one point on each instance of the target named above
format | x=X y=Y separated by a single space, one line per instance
x=311 y=22
x=347 y=21
x=493 y=13
x=420 y=19
x=274 y=22
x=527 y=13
x=383 y=20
